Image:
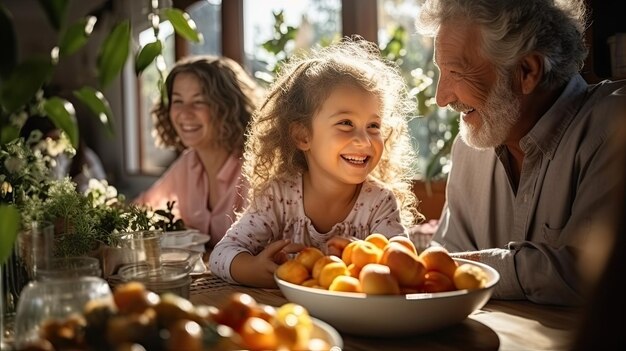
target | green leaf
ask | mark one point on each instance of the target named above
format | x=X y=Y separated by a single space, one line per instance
x=76 y=36
x=55 y=11
x=147 y=55
x=62 y=113
x=8 y=59
x=98 y=104
x=23 y=83
x=183 y=24
x=9 y=227
x=113 y=53
x=8 y=133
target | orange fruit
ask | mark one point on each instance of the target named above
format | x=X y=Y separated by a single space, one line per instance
x=321 y=262
x=310 y=283
x=469 y=276
x=345 y=283
x=365 y=252
x=330 y=272
x=258 y=334
x=404 y=240
x=293 y=272
x=354 y=270
x=376 y=279
x=308 y=256
x=377 y=239
x=346 y=255
x=437 y=282
x=405 y=266
x=437 y=258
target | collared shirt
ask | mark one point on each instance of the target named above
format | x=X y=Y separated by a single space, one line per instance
x=533 y=234
x=279 y=214
x=187 y=183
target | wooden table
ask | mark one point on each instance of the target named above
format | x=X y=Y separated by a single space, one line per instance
x=499 y=325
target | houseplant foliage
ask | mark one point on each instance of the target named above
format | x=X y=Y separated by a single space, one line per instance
x=23 y=83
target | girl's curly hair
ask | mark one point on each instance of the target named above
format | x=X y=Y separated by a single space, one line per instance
x=298 y=93
x=231 y=93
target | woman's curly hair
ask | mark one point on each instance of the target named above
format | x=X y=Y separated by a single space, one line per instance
x=299 y=91
x=231 y=93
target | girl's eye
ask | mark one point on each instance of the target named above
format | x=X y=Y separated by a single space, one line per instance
x=375 y=125
x=345 y=123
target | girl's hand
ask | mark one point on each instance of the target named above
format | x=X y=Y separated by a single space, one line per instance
x=336 y=244
x=259 y=270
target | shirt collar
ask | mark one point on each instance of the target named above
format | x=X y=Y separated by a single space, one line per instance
x=229 y=170
x=548 y=131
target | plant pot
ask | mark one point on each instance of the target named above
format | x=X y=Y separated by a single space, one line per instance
x=431 y=196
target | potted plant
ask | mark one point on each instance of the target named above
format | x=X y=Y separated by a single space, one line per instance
x=22 y=83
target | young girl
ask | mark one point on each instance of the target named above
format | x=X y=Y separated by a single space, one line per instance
x=209 y=104
x=328 y=156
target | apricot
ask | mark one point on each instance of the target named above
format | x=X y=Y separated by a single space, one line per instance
x=365 y=252
x=258 y=334
x=437 y=258
x=354 y=270
x=437 y=282
x=469 y=276
x=308 y=256
x=405 y=266
x=346 y=254
x=377 y=239
x=404 y=241
x=310 y=283
x=345 y=283
x=293 y=272
x=330 y=272
x=376 y=279
x=321 y=262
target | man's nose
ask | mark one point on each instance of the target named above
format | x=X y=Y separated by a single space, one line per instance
x=444 y=94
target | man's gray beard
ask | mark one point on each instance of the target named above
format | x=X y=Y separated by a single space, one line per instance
x=500 y=114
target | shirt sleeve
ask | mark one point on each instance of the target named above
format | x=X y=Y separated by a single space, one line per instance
x=256 y=227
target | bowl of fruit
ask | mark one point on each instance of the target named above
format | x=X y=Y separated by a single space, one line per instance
x=384 y=287
x=134 y=318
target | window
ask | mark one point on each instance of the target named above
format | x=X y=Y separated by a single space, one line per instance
x=142 y=155
x=315 y=21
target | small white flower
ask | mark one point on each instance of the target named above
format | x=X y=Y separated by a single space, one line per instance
x=6 y=188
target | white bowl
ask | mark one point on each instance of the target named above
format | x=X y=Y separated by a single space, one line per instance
x=322 y=330
x=391 y=315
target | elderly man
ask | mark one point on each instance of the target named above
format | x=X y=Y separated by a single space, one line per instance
x=530 y=169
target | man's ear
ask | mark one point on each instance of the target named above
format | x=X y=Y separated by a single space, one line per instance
x=530 y=72
x=300 y=136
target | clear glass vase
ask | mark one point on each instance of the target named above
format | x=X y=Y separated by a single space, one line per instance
x=32 y=251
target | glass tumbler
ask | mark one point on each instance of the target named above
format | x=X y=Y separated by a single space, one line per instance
x=57 y=299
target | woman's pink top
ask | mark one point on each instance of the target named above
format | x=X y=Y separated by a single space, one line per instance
x=187 y=183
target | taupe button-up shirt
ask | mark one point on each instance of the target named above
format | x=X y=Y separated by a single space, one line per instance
x=532 y=235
